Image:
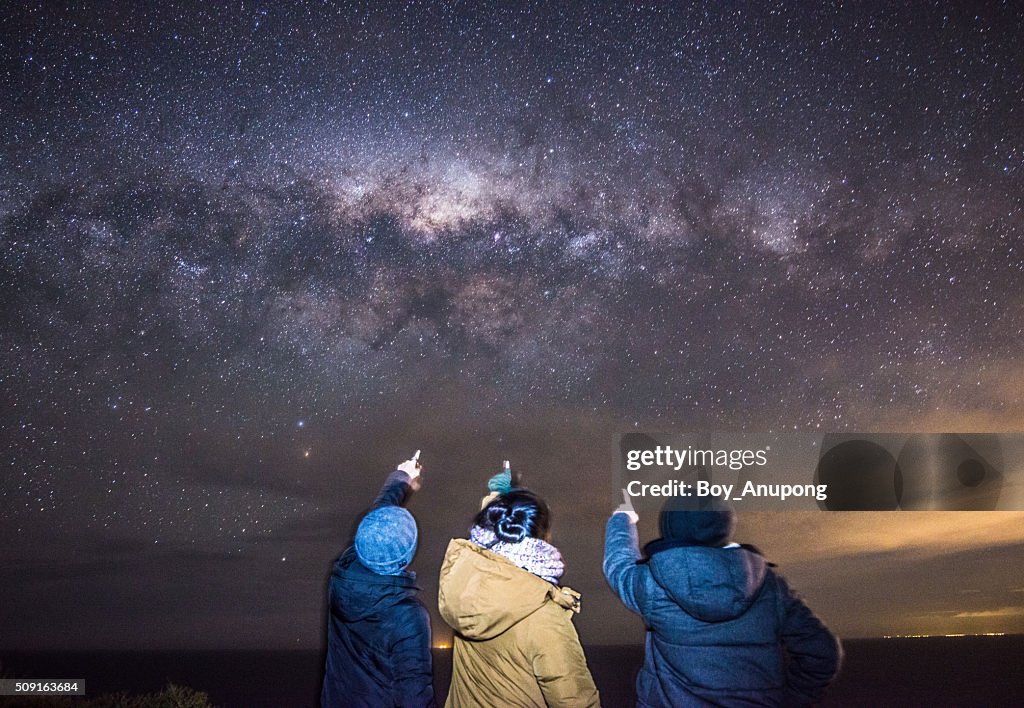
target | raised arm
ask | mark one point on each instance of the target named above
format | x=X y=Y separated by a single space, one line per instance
x=621 y=553
x=398 y=486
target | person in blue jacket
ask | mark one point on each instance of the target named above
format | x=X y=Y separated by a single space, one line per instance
x=378 y=631
x=723 y=628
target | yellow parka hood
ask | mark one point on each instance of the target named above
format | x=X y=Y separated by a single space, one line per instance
x=482 y=594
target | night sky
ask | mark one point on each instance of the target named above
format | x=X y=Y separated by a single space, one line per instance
x=252 y=255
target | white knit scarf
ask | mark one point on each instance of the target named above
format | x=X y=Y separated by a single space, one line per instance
x=532 y=554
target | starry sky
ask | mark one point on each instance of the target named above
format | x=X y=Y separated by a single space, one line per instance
x=254 y=254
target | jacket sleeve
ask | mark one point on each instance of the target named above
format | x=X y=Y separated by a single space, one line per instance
x=559 y=664
x=395 y=491
x=814 y=652
x=411 y=661
x=621 y=553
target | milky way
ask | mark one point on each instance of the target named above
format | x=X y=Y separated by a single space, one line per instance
x=241 y=245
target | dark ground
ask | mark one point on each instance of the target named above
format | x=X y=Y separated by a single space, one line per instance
x=923 y=672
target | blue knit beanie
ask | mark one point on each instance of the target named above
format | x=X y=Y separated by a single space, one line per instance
x=386 y=540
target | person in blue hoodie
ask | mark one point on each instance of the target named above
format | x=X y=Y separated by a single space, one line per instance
x=723 y=628
x=378 y=631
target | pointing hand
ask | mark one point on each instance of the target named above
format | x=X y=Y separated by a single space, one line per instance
x=626 y=507
x=412 y=467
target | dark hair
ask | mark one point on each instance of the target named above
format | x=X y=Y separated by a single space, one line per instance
x=516 y=515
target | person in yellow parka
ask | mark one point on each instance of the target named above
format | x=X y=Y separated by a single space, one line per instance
x=515 y=644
